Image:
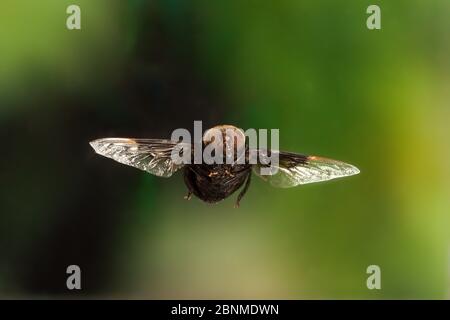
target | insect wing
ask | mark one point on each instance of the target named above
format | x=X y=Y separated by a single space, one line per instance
x=295 y=169
x=151 y=155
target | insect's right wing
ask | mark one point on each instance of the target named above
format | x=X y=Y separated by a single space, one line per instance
x=151 y=155
x=294 y=169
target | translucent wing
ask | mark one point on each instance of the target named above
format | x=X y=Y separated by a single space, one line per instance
x=295 y=169
x=151 y=155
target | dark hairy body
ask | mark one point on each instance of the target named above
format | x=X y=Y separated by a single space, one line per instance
x=213 y=183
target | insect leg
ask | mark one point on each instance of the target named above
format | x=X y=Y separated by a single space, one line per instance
x=244 y=190
x=188 y=182
x=189 y=195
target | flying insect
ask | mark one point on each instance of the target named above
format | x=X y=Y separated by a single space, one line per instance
x=217 y=181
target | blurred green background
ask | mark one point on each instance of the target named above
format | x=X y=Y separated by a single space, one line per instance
x=377 y=99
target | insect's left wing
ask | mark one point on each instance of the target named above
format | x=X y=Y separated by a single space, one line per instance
x=151 y=155
x=295 y=169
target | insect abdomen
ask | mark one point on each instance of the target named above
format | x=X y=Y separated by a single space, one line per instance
x=213 y=183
